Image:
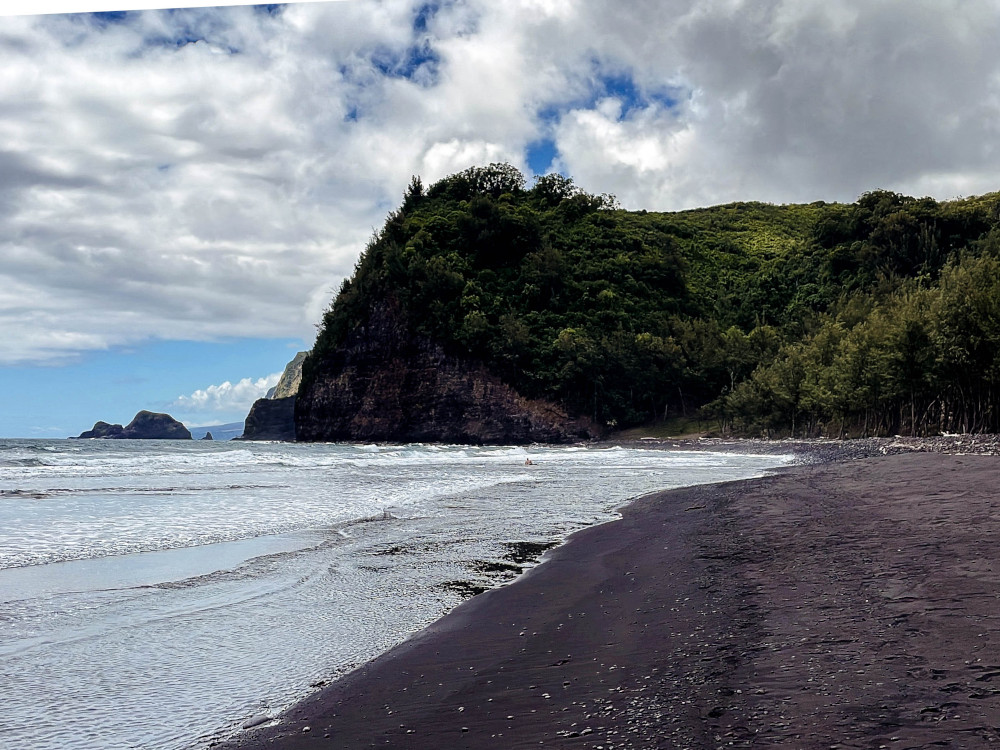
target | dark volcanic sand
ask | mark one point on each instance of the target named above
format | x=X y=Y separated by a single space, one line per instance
x=850 y=605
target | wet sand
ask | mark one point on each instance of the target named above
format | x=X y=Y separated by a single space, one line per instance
x=845 y=605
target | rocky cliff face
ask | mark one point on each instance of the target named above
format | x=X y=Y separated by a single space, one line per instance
x=386 y=384
x=146 y=425
x=271 y=419
x=288 y=383
x=104 y=430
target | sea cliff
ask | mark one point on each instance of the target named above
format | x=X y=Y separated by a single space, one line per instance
x=273 y=417
x=385 y=383
x=270 y=419
x=485 y=310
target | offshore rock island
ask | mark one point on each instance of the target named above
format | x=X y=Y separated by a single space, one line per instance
x=146 y=425
x=485 y=311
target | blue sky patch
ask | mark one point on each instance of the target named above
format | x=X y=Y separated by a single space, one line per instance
x=113 y=385
x=103 y=19
x=550 y=115
x=618 y=85
x=418 y=62
x=269 y=9
x=540 y=155
x=622 y=86
x=423 y=16
x=192 y=25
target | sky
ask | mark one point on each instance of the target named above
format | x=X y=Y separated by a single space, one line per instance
x=183 y=190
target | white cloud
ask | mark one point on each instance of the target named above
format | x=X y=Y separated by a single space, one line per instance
x=213 y=173
x=798 y=101
x=226 y=397
x=19 y=7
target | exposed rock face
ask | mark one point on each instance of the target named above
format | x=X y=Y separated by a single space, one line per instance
x=149 y=425
x=146 y=425
x=271 y=419
x=104 y=430
x=386 y=384
x=288 y=383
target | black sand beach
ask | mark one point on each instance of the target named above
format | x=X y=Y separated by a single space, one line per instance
x=842 y=605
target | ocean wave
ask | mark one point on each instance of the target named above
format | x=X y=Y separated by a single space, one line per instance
x=24 y=494
x=23 y=462
x=115 y=500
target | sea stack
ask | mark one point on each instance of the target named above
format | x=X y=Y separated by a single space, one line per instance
x=146 y=425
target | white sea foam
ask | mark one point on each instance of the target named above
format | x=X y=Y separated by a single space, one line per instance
x=159 y=594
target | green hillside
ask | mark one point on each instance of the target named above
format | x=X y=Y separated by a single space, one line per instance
x=881 y=316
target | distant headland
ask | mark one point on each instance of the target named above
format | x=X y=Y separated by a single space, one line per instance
x=489 y=311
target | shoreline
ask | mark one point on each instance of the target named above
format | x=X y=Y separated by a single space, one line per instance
x=827 y=450
x=759 y=623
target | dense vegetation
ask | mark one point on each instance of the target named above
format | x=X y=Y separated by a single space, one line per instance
x=881 y=316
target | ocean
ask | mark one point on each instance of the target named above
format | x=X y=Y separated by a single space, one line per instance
x=162 y=594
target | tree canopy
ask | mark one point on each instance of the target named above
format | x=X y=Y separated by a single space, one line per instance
x=880 y=316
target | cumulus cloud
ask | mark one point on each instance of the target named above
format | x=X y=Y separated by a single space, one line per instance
x=226 y=398
x=214 y=172
x=795 y=101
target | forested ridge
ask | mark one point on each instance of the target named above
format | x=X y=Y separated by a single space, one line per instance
x=876 y=317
